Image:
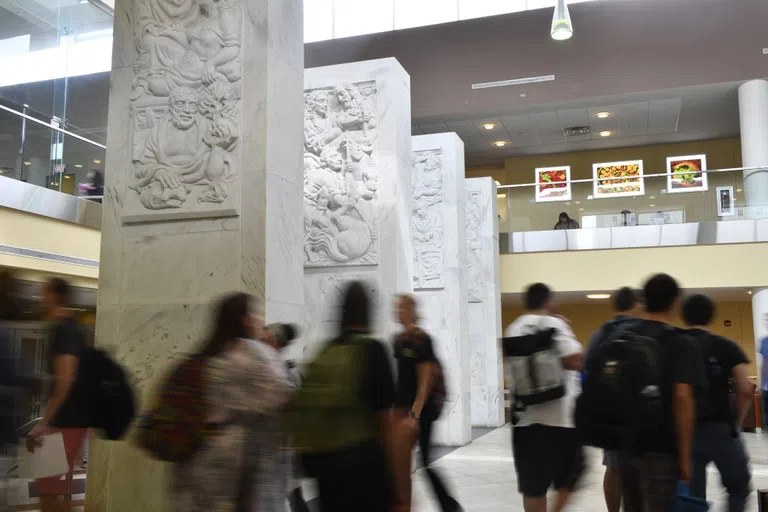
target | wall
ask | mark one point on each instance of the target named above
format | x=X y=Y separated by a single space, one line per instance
x=527 y=215
x=29 y=231
x=586 y=318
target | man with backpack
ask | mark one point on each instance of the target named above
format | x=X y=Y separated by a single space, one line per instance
x=625 y=305
x=717 y=431
x=638 y=400
x=544 y=358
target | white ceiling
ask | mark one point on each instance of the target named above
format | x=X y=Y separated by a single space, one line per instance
x=691 y=113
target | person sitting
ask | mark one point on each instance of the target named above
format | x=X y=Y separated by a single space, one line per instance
x=565 y=222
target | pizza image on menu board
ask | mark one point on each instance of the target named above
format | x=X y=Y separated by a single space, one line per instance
x=686 y=174
x=618 y=179
x=553 y=183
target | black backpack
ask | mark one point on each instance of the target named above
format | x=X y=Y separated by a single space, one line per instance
x=111 y=401
x=536 y=368
x=439 y=389
x=621 y=399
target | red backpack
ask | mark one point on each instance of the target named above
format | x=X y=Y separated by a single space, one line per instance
x=175 y=428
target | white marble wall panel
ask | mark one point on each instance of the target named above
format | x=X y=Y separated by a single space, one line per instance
x=357 y=192
x=439 y=226
x=487 y=377
x=207 y=207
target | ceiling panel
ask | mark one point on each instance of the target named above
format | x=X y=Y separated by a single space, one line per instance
x=434 y=128
x=664 y=115
x=633 y=119
x=521 y=130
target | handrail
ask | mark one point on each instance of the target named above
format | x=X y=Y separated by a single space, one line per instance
x=661 y=175
x=52 y=126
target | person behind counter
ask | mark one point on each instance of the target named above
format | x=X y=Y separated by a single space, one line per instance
x=565 y=222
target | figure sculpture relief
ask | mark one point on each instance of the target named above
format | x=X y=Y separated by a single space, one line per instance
x=185 y=105
x=427 y=219
x=475 y=270
x=340 y=176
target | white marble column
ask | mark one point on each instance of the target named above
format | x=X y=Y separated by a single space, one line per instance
x=753 y=116
x=203 y=183
x=760 y=322
x=439 y=275
x=357 y=191
x=484 y=296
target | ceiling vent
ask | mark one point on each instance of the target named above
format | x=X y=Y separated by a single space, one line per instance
x=765 y=51
x=574 y=131
x=517 y=81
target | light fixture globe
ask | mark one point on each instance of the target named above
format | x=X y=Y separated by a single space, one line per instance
x=562 y=28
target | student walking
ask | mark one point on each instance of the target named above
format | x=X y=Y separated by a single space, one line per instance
x=544 y=439
x=717 y=437
x=416 y=405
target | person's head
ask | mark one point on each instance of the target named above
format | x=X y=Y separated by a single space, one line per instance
x=698 y=311
x=317 y=101
x=184 y=107
x=538 y=297
x=56 y=296
x=237 y=316
x=660 y=294
x=624 y=300
x=407 y=313
x=355 y=309
x=563 y=217
x=10 y=308
x=280 y=335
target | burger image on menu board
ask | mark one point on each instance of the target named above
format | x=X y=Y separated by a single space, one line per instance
x=686 y=173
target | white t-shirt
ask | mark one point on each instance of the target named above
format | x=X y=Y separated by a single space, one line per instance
x=557 y=413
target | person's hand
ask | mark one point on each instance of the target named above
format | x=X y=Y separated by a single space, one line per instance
x=686 y=474
x=410 y=425
x=168 y=178
x=34 y=437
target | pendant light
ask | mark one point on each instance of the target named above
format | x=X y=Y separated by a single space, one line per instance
x=561 y=22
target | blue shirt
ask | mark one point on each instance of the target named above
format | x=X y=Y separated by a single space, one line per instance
x=764 y=353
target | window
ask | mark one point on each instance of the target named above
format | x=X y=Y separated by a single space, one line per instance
x=357 y=17
x=417 y=13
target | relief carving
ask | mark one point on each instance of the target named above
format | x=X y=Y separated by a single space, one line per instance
x=340 y=176
x=427 y=219
x=474 y=247
x=185 y=102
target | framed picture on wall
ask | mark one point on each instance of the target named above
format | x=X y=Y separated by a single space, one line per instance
x=553 y=183
x=618 y=179
x=725 y=202
x=686 y=174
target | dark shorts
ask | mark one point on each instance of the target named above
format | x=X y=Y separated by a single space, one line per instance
x=546 y=457
x=648 y=482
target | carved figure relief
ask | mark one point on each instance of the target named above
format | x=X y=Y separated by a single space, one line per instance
x=474 y=247
x=427 y=219
x=185 y=103
x=340 y=176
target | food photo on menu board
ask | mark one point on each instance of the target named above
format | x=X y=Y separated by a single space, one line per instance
x=618 y=179
x=553 y=184
x=686 y=174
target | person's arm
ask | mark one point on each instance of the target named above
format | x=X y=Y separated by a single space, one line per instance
x=743 y=392
x=685 y=419
x=65 y=371
x=425 y=372
x=568 y=346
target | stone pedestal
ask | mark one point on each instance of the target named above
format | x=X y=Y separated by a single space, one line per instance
x=357 y=190
x=484 y=296
x=439 y=276
x=202 y=188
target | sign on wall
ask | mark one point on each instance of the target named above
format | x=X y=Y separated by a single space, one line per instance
x=686 y=174
x=618 y=179
x=553 y=183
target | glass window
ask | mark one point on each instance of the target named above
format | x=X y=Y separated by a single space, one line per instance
x=416 y=13
x=478 y=8
x=318 y=20
x=356 y=17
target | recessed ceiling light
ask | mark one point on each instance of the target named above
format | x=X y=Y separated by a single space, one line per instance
x=651 y=205
x=749 y=292
x=603 y=115
x=578 y=202
x=567 y=204
x=79 y=166
x=500 y=143
x=27 y=163
x=489 y=126
x=581 y=209
x=652 y=197
x=739 y=190
x=97 y=161
x=598 y=296
x=67 y=177
x=605 y=133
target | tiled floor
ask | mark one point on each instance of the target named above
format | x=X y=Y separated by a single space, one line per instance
x=482 y=475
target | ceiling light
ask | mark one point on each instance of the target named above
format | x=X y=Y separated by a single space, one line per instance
x=652 y=197
x=605 y=133
x=603 y=115
x=651 y=205
x=739 y=190
x=578 y=202
x=489 y=126
x=599 y=296
x=561 y=22
x=97 y=161
x=67 y=177
x=79 y=166
x=749 y=292
x=500 y=143
x=581 y=209
x=27 y=163
x=514 y=81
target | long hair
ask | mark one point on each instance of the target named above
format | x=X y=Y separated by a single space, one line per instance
x=230 y=312
x=355 y=309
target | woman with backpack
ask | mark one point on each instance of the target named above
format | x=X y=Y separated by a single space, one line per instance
x=245 y=385
x=418 y=404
